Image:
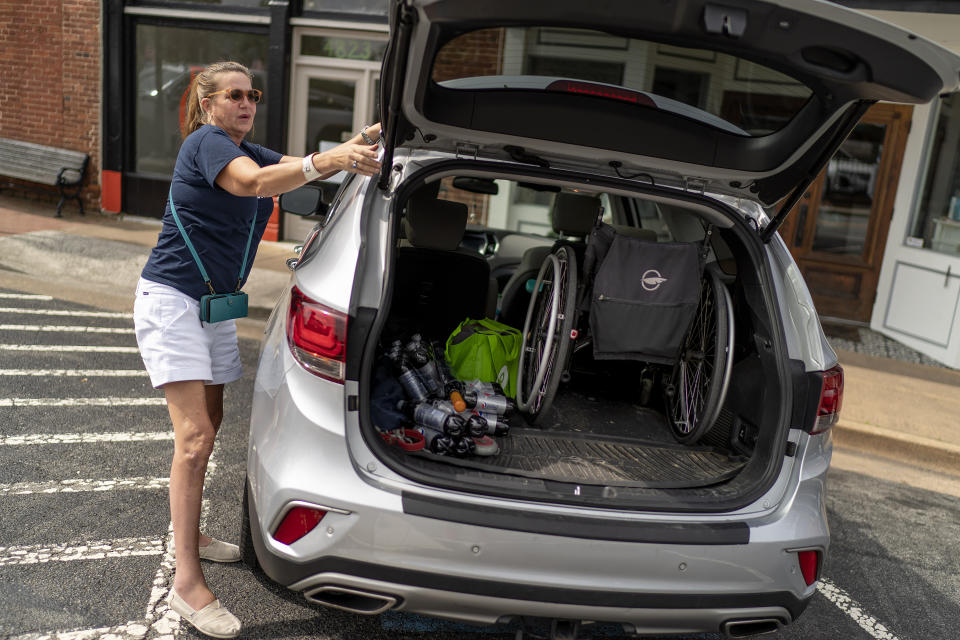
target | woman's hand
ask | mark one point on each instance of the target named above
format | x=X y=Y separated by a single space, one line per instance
x=355 y=158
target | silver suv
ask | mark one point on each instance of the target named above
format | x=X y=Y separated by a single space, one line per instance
x=608 y=185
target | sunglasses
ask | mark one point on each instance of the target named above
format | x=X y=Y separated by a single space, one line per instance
x=253 y=95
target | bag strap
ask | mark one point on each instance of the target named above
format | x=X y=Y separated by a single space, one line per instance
x=193 y=252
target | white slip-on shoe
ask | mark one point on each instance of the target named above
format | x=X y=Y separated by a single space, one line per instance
x=218 y=551
x=212 y=620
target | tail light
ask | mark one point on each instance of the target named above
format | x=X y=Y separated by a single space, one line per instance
x=831 y=400
x=298 y=522
x=601 y=91
x=317 y=336
x=809 y=565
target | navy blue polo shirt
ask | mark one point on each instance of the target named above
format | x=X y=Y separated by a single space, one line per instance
x=217 y=222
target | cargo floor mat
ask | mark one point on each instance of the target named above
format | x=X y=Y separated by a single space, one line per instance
x=603 y=460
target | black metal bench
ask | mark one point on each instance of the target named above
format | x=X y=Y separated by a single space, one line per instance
x=60 y=168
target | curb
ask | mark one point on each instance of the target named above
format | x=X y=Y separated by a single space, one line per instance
x=898 y=446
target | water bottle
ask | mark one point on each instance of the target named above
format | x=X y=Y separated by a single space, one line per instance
x=438 y=442
x=496 y=425
x=490 y=388
x=477 y=425
x=425 y=367
x=489 y=403
x=409 y=379
x=464 y=447
x=425 y=414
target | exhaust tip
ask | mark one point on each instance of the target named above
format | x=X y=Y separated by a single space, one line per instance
x=746 y=628
x=354 y=600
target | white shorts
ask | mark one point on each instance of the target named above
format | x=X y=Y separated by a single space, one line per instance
x=176 y=345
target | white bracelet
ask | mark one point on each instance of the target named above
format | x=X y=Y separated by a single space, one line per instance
x=309 y=171
x=366 y=138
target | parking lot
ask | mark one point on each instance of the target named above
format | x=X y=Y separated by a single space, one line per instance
x=86 y=547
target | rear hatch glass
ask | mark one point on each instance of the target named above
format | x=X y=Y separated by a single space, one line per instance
x=716 y=88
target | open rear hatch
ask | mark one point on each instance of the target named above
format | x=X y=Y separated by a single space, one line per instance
x=822 y=63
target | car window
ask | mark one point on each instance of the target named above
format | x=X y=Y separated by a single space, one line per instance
x=719 y=89
x=527 y=208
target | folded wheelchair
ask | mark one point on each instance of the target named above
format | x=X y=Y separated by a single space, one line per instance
x=632 y=299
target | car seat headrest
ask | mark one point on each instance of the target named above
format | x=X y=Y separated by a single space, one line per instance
x=427 y=191
x=574 y=214
x=435 y=224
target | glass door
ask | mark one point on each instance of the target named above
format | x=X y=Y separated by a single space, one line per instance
x=838 y=230
x=324 y=108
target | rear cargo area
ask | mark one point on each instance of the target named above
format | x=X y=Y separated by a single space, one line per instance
x=607 y=427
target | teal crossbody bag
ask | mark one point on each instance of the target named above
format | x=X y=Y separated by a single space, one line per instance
x=218 y=307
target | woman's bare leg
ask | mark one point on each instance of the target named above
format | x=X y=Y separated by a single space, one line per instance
x=194 y=434
x=214 y=395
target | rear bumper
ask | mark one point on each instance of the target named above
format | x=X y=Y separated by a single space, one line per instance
x=486 y=600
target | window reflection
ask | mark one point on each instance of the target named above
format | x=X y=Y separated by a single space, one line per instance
x=329 y=113
x=849 y=192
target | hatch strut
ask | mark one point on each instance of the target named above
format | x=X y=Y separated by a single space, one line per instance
x=853 y=118
x=404 y=17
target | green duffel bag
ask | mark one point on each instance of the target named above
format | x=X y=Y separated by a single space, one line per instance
x=485 y=350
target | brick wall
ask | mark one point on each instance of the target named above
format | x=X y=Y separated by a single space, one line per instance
x=50 y=79
x=476 y=53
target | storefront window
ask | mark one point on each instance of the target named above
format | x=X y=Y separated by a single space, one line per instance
x=936 y=222
x=239 y=4
x=167 y=59
x=343 y=48
x=375 y=10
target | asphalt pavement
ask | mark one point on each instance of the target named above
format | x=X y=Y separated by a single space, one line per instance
x=892 y=407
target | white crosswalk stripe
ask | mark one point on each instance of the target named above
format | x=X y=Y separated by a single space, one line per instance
x=68 y=348
x=25 y=296
x=64 y=328
x=81 y=402
x=79 y=373
x=85 y=438
x=39 y=553
x=62 y=312
x=134 y=630
x=78 y=485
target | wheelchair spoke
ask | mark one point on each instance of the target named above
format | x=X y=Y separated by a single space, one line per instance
x=700 y=376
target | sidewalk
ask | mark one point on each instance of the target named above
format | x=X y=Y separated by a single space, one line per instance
x=896 y=403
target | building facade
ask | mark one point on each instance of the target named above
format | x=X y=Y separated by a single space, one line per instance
x=877 y=236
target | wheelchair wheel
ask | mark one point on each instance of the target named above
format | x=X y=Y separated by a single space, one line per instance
x=700 y=377
x=547 y=333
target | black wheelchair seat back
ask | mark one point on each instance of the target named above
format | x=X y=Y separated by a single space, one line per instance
x=641 y=296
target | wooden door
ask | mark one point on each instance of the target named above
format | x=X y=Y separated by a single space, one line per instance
x=838 y=230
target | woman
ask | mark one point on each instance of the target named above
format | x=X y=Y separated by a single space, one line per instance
x=222 y=186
